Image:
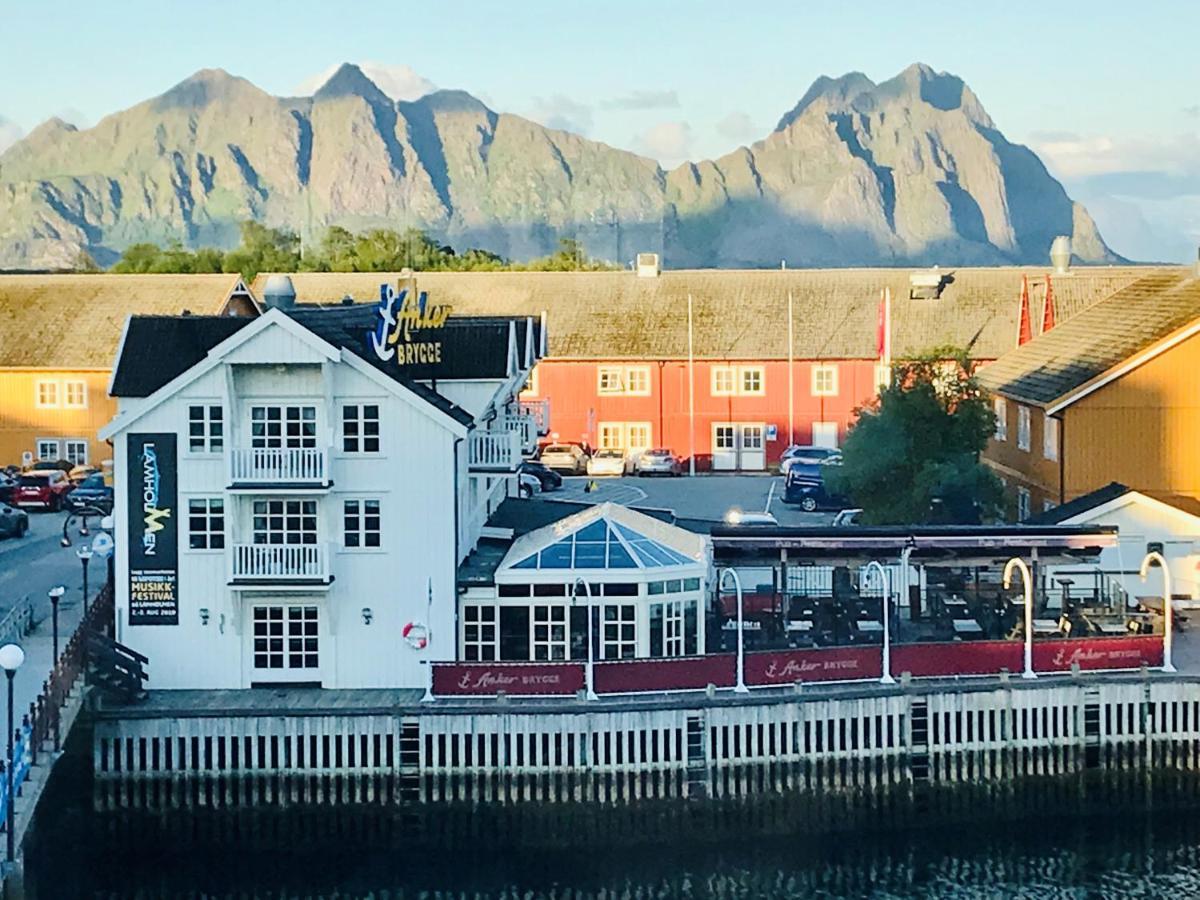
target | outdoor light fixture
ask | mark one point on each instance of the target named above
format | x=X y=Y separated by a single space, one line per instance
x=733 y=517
x=11 y=657
x=55 y=593
x=204 y=615
x=367 y=615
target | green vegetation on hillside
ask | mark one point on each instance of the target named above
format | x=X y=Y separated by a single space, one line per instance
x=379 y=250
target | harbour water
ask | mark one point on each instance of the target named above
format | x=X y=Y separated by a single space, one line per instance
x=1106 y=834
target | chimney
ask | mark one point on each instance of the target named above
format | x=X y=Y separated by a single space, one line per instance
x=1060 y=254
x=648 y=265
x=279 y=292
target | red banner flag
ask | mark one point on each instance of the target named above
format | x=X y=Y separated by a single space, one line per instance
x=1024 y=325
x=1048 y=310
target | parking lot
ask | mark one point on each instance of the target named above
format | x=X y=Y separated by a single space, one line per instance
x=702 y=497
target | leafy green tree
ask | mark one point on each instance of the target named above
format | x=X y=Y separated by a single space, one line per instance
x=913 y=457
x=137 y=258
x=263 y=249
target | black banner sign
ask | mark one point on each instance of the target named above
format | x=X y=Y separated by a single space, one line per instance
x=153 y=529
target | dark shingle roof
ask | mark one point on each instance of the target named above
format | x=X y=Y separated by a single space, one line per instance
x=1079 y=505
x=1097 y=339
x=158 y=349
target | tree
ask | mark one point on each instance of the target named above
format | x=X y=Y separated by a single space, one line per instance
x=263 y=249
x=914 y=455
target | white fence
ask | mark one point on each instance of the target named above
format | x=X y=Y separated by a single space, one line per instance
x=279 y=562
x=262 y=466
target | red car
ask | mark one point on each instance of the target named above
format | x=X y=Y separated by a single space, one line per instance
x=45 y=489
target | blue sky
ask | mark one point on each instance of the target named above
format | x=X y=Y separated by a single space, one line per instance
x=1108 y=93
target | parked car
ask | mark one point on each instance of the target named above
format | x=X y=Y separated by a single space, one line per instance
x=568 y=458
x=79 y=473
x=738 y=517
x=809 y=492
x=8 y=484
x=528 y=485
x=13 y=522
x=547 y=477
x=45 y=489
x=659 y=461
x=51 y=465
x=92 y=491
x=805 y=455
x=607 y=462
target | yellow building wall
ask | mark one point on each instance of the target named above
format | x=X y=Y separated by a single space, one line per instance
x=23 y=422
x=1025 y=468
x=1142 y=430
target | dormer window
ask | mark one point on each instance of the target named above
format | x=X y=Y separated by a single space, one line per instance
x=926 y=284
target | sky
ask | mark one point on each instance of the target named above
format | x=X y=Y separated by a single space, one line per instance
x=1108 y=93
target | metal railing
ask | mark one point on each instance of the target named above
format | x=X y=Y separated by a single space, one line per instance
x=494 y=451
x=279 y=562
x=540 y=411
x=262 y=466
x=17 y=622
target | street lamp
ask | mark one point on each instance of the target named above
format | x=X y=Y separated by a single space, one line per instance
x=1027 y=581
x=55 y=593
x=11 y=657
x=1168 y=637
x=740 y=687
x=590 y=671
x=85 y=557
x=83 y=512
x=877 y=567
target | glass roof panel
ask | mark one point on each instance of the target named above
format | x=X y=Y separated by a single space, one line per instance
x=529 y=562
x=589 y=556
x=557 y=556
x=597 y=531
x=619 y=558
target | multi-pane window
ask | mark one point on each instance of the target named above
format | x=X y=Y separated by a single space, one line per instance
x=1022 y=427
x=47 y=450
x=1050 y=437
x=724 y=381
x=206 y=523
x=283 y=426
x=75 y=451
x=620 y=631
x=361 y=523
x=729 y=381
x=611 y=380
x=285 y=521
x=75 y=394
x=637 y=380
x=1023 y=504
x=1000 y=408
x=46 y=394
x=206 y=428
x=479 y=633
x=666 y=628
x=824 y=381
x=285 y=637
x=623 y=380
x=548 y=632
x=751 y=379
x=360 y=428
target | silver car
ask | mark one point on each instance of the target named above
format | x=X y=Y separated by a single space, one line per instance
x=659 y=461
x=13 y=522
x=568 y=458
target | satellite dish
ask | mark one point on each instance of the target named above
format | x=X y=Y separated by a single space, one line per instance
x=102 y=545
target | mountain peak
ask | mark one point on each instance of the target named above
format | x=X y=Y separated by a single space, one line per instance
x=202 y=88
x=835 y=91
x=350 y=81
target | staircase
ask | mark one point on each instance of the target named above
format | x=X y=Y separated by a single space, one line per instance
x=116 y=671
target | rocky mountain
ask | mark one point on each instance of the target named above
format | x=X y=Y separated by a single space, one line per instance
x=910 y=171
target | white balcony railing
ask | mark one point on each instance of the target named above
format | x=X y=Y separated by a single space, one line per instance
x=264 y=466
x=494 y=451
x=525 y=427
x=540 y=411
x=279 y=563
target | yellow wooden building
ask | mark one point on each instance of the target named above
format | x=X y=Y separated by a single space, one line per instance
x=1111 y=394
x=58 y=337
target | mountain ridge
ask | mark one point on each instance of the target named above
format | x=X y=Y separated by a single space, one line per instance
x=908 y=171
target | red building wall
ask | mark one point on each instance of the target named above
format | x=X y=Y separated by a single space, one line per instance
x=577 y=408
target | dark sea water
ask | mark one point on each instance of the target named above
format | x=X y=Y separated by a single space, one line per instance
x=1144 y=844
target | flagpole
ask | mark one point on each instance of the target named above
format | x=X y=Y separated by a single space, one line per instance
x=428 y=698
x=791 y=377
x=691 y=395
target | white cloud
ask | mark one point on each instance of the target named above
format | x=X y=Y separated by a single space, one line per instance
x=72 y=116
x=644 y=100
x=400 y=82
x=561 y=112
x=738 y=127
x=668 y=142
x=1080 y=156
x=10 y=133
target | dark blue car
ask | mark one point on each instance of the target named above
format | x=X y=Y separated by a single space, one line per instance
x=806 y=488
x=92 y=491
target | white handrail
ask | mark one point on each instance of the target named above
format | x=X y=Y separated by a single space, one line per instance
x=494 y=450
x=265 y=465
x=281 y=561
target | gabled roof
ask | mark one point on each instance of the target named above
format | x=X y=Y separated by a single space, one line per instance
x=1100 y=342
x=75 y=321
x=742 y=314
x=158 y=349
x=1086 y=503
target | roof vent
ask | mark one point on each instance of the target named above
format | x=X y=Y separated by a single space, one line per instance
x=347 y=300
x=1060 y=254
x=279 y=292
x=648 y=265
x=926 y=284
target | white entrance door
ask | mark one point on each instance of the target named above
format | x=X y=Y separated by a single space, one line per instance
x=752 y=455
x=825 y=434
x=724 y=447
x=285 y=642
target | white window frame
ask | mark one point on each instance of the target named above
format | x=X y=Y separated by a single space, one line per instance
x=79 y=403
x=610 y=380
x=359 y=419
x=821 y=374
x=672 y=626
x=44 y=443
x=605 y=434
x=730 y=381
x=1050 y=437
x=724 y=381
x=1024 y=418
x=615 y=641
x=289 y=508
x=210 y=513
x=212 y=427
x=836 y=435
x=77 y=458
x=284 y=438
x=637 y=381
x=295 y=641
x=618 y=380
x=759 y=373
x=481 y=632
x=1024 y=503
x=1000 y=409
x=549 y=632
x=47 y=394
x=355 y=524
x=883 y=376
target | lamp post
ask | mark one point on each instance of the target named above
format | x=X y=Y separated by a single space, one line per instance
x=85 y=557
x=55 y=594
x=1168 y=618
x=877 y=567
x=590 y=671
x=11 y=657
x=82 y=513
x=740 y=687
x=1027 y=581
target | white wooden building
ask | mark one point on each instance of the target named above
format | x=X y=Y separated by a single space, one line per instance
x=296 y=490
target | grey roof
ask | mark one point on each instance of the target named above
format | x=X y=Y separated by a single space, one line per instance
x=1097 y=339
x=158 y=349
x=1079 y=505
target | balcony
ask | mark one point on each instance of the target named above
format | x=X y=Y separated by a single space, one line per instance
x=288 y=468
x=525 y=427
x=280 y=565
x=494 y=451
x=540 y=411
